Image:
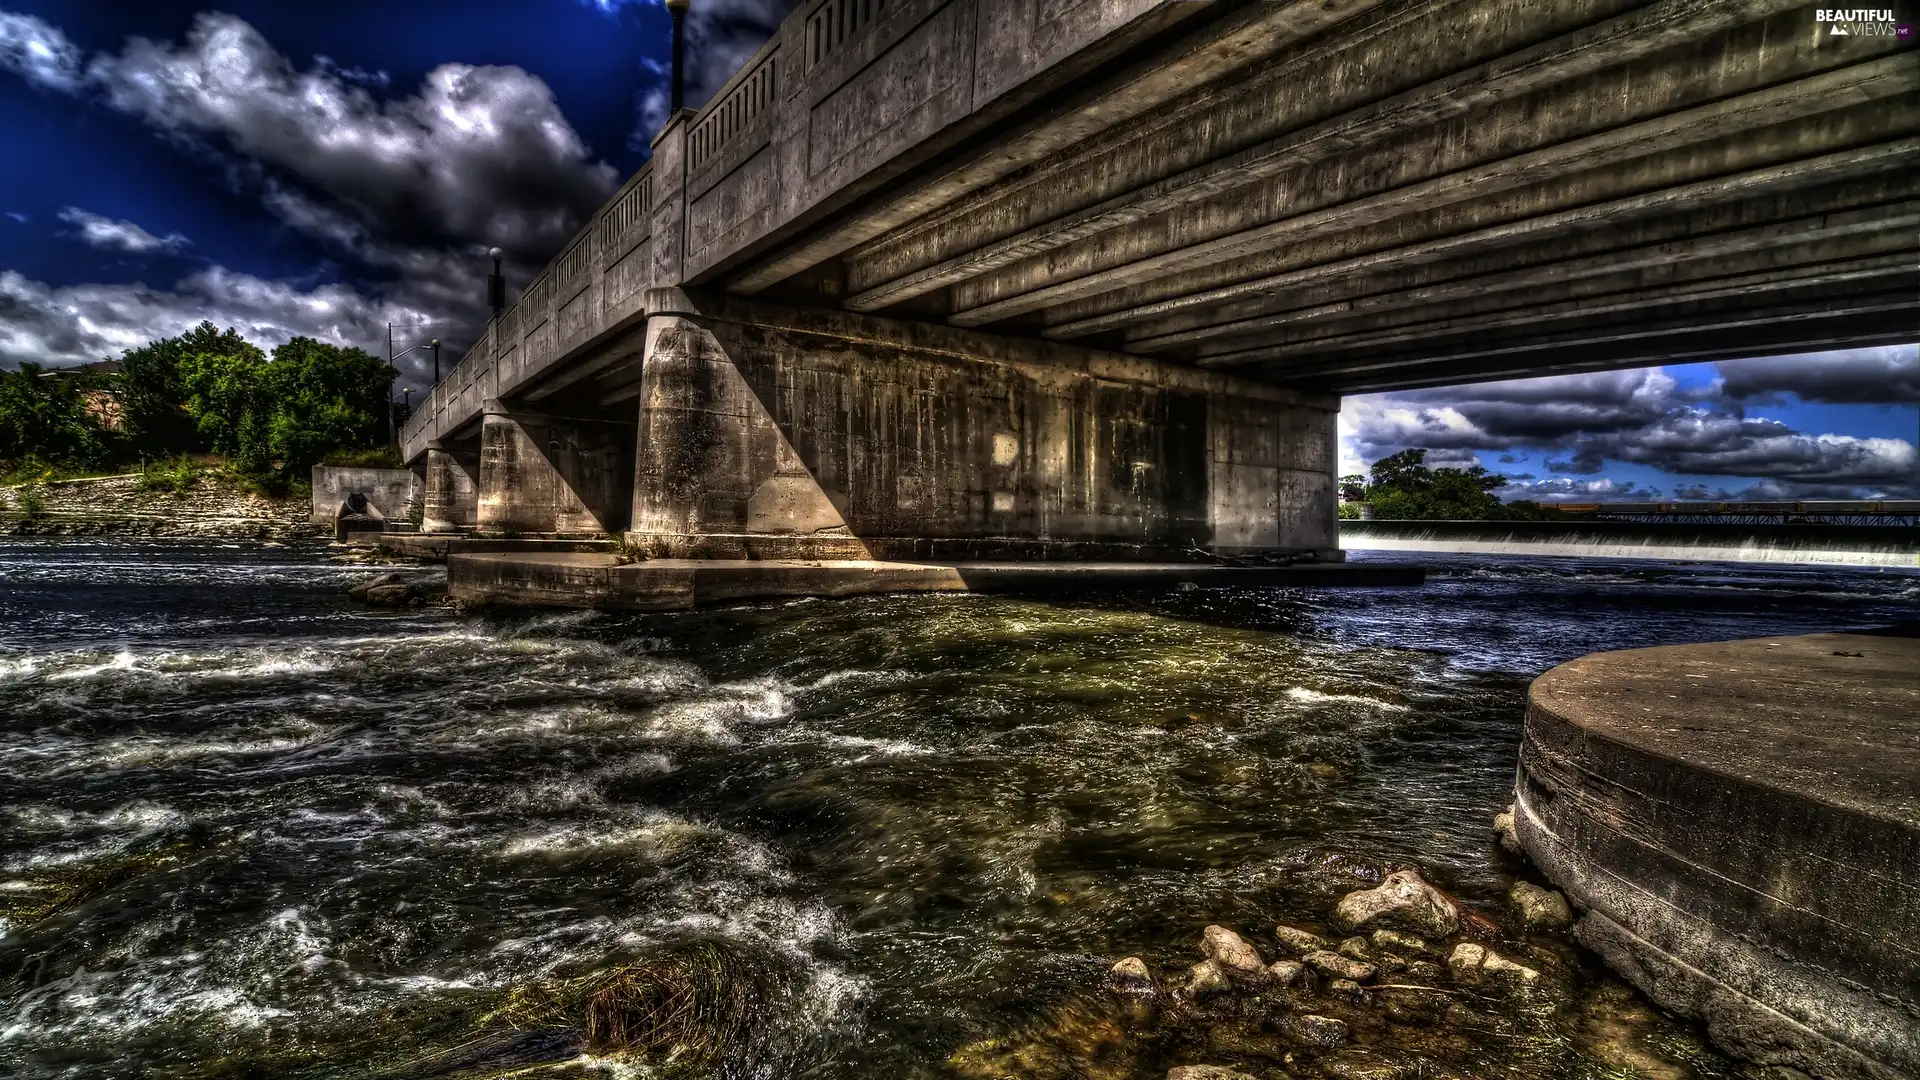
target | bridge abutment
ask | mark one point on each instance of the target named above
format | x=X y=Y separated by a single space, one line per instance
x=776 y=432
x=546 y=475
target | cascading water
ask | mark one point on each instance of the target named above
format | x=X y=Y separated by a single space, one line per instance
x=249 y=828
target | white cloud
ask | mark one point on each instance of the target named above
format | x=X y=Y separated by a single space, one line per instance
x=1566 y=489
x=1879 y=376
x=110 y=235
x=38 y=52
x=17 y=216
x=79 y=323
x=477 y=154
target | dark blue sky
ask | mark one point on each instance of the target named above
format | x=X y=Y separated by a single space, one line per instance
x=327 y=168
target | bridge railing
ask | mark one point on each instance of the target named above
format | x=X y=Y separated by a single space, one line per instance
x=562 y=307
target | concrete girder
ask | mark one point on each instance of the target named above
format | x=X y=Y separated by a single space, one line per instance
x=1260 y=218
x=1862 y=326
x=1324 y=301
x=1593 y=48
x=1622 y=343
x=1425 y=326
x=1090 y=109
x=1333 y=258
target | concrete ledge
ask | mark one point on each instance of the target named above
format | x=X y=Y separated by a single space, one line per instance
x=1740 y=824
x=844 y=547
x=437 y=546
x=586 y=580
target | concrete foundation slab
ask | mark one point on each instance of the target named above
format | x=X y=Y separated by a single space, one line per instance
x=436 y=547
x=588 y=580
x=1740 y=824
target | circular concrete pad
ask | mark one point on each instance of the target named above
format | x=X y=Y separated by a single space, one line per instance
x=1740 y=822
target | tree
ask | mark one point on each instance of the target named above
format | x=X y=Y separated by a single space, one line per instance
x=1404 y=488
x=46 y=418
x=228 y=397
x=154 y=392
x=325 y=398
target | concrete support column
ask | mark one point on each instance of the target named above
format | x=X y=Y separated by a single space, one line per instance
x=451 y=503
x=552 y=475
x=769 y=432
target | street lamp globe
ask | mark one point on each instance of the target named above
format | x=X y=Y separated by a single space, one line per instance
x=679 y=7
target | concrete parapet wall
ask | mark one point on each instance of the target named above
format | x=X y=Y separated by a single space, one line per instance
x=388 y=494
x=1740 y=823
x=770 y=431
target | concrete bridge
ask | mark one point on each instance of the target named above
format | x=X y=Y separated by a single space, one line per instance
x=1086 y=278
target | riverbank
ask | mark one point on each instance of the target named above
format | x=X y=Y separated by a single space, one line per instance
x=213 y=506
x=1888 y=546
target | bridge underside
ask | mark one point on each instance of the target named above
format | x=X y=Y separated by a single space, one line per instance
x=1392 y=195
x=896 y=301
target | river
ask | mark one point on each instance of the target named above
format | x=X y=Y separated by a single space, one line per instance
x=249 y=828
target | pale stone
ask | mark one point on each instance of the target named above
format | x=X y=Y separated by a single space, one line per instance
x=1299 y=942
x=1206 y=979
x=1238 y=959
x=1131 y=975
x=1403 y=901
x=1285 y=972
x=1314 y=1030
x=1540 y=909
x=1334 y=965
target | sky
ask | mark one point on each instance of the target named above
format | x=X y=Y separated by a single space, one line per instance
x=327 y=169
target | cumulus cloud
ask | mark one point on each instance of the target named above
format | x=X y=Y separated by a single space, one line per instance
x=79 y=323
x=721 y=35
x=1565 y=489
x=110 y=235
x=411 y=189
x=480 y=155
x=1886 y=375
x=39 y=52
x=1583 y=423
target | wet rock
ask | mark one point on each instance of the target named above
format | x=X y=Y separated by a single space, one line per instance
x=1425 y=971
x=1367 y=1064
x=1131 y=976
x=1285 y=973
x=1420 y=1008
x=1206 y=979
x=1403 y=902
x=1348 y=991
x=1230 y=951
x=1390 y=964
x=1476 y=965
x=359 y=592
x=1404 y=944
x=1540 y=909
x=1335 y=966
x=391 y=595
x=1357 y=948
x=1299 y=942
x=1205 y=1072
x=1508 y=835
x=1315 y=1030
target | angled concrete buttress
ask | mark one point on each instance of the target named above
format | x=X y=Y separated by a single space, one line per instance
x=452 y=487
x=552 y=475
x=768 y=431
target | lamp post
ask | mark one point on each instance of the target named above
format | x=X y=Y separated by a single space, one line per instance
x=678 y=8
x=496 y=283
x=393 y=364
x=436 y=361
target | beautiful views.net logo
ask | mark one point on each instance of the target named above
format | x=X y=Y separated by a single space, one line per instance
x=1862 y=22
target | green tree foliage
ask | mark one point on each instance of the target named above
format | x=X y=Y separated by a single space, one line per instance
x=154 y=392
x=1403 y=488
x=283 y=415
x=45 y=418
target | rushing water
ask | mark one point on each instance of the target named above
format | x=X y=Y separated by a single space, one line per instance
x=250 y=828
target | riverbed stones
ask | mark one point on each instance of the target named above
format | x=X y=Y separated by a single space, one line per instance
x=1540 y=909
x=1299 y=942
x=1285 y=973
x=392 y=595
x=1207 y=978
x=1508 y=835
x=1477 y=965
x=1312 y=1029
x=1131 y=976
x=1240 y=961
x=1205 y=1072
x=1357 y=948
x=1404 y=902
x=1335 y=966
x=1405 y=944
x=360 y=591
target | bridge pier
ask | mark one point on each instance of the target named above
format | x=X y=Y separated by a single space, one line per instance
x=552 y=475
x=776 y=432
x=452 y=487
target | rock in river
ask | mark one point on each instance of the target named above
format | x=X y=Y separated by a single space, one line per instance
x=1207 y=979
x=1131 y=976
x=1320 y=1031
x=1403 y=901
x=1299 y=942
x=1476 y=964
x=1239 y=960
x=1206 y=1072
x=1335 y=966
x=1540 y=909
